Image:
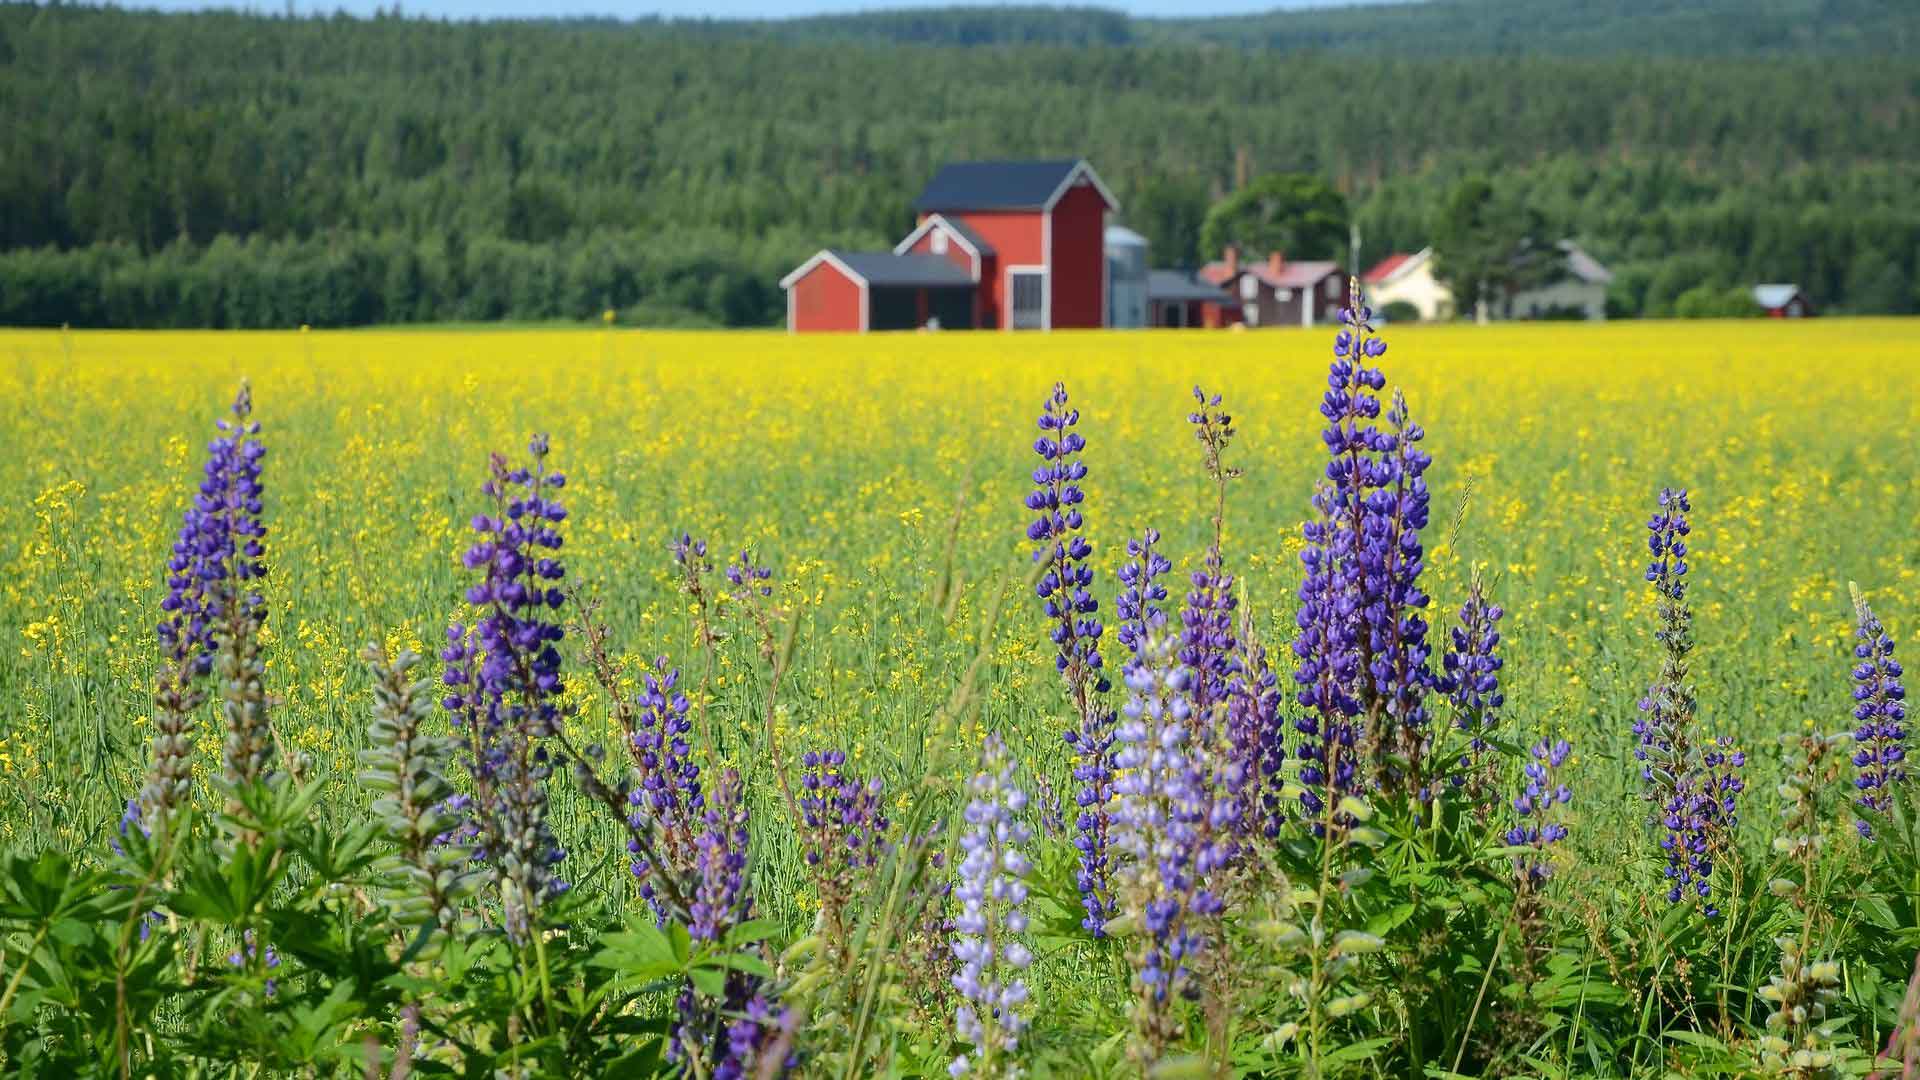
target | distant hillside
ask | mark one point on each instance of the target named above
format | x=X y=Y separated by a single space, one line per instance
x=1433 y=28
x=233 y=169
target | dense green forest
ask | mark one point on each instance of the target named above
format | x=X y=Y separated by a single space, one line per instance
x=242 y=170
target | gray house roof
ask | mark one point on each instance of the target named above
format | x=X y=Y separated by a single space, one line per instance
x=1176 y=286
x=1584 y=266
x=1772 y=297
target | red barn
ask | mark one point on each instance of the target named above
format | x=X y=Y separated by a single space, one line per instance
x=1015 y=245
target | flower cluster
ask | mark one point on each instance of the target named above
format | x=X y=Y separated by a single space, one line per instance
x=666 y=803
x=1138 y=605
x=503 y=680
x=1349 y=623
x=1392 y=559
x=1539 y=828
x=734 y=1034
x=1880 y=711
x=1470 y=678
x=212 y=607
x=1157 y=827
x=1664 y=729
x=844 y=828
x=1065 y=590
x=987 y=945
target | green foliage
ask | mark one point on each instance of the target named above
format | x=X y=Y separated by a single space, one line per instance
x=1294 y=213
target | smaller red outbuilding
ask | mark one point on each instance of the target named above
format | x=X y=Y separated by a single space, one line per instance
x=853 y=291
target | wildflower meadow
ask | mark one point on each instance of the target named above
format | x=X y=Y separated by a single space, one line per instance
x=1512 y=701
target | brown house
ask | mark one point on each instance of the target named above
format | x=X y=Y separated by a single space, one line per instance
x=1276 y=292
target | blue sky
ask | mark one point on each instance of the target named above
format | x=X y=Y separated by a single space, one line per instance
x=488 y=9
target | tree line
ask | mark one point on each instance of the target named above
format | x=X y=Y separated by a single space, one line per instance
x=334 y=171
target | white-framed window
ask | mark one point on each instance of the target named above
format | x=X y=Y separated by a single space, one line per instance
x=1283 y=294
x=1249 y=288
x=938 y=241
x=1027 y=299
x=1333 y=288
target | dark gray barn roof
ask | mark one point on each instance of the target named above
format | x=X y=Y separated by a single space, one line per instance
x=884 y=268
x=995 y=185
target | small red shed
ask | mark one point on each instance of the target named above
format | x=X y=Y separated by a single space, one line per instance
x=854 y=291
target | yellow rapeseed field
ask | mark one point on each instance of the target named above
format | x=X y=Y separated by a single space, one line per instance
x=853 y=465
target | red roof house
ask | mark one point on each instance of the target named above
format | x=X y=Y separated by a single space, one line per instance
x=1015 y=245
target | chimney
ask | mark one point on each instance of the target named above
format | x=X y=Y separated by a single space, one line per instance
x=1232 y=255
x=1275 y=260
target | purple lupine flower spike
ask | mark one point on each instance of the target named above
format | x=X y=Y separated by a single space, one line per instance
x=990 y=928
x=1470 y=679
x=1065 y=590
x=844 y=828
x=503 y=680
x=1394 y=557
x=1538 y=828
x=1880 y=711
x=733 y=1034
x=1138 y=605
x=666 y=802
x=1327 y=652
x=1664 y=728
x=212 y=603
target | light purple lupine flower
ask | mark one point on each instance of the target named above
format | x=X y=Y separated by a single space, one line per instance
x=1880 y=710
x=1065 y=590
x=503 y=680
x=989 y=929
x=1157 y=827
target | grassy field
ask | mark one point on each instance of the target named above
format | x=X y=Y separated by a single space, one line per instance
x=858 y=467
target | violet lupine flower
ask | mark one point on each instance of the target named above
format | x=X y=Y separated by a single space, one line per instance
x=666 y=802
x=216 y=563
x=844 y=826
x=248 y=952
x=988 y=929
x=1664 y=729
x=719 y=896
x=747 y=576
x=733 y=1033
x=1065 y=592
x=1341 y=597
x=1327 y=650
x=1256 y=738
x=1470 y=676
x=503 y=677
x=1393 y=559
x=1537 y=828
x=1157 y=827
x=1881 y=711
x=1138 y=605
x=220 y=550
